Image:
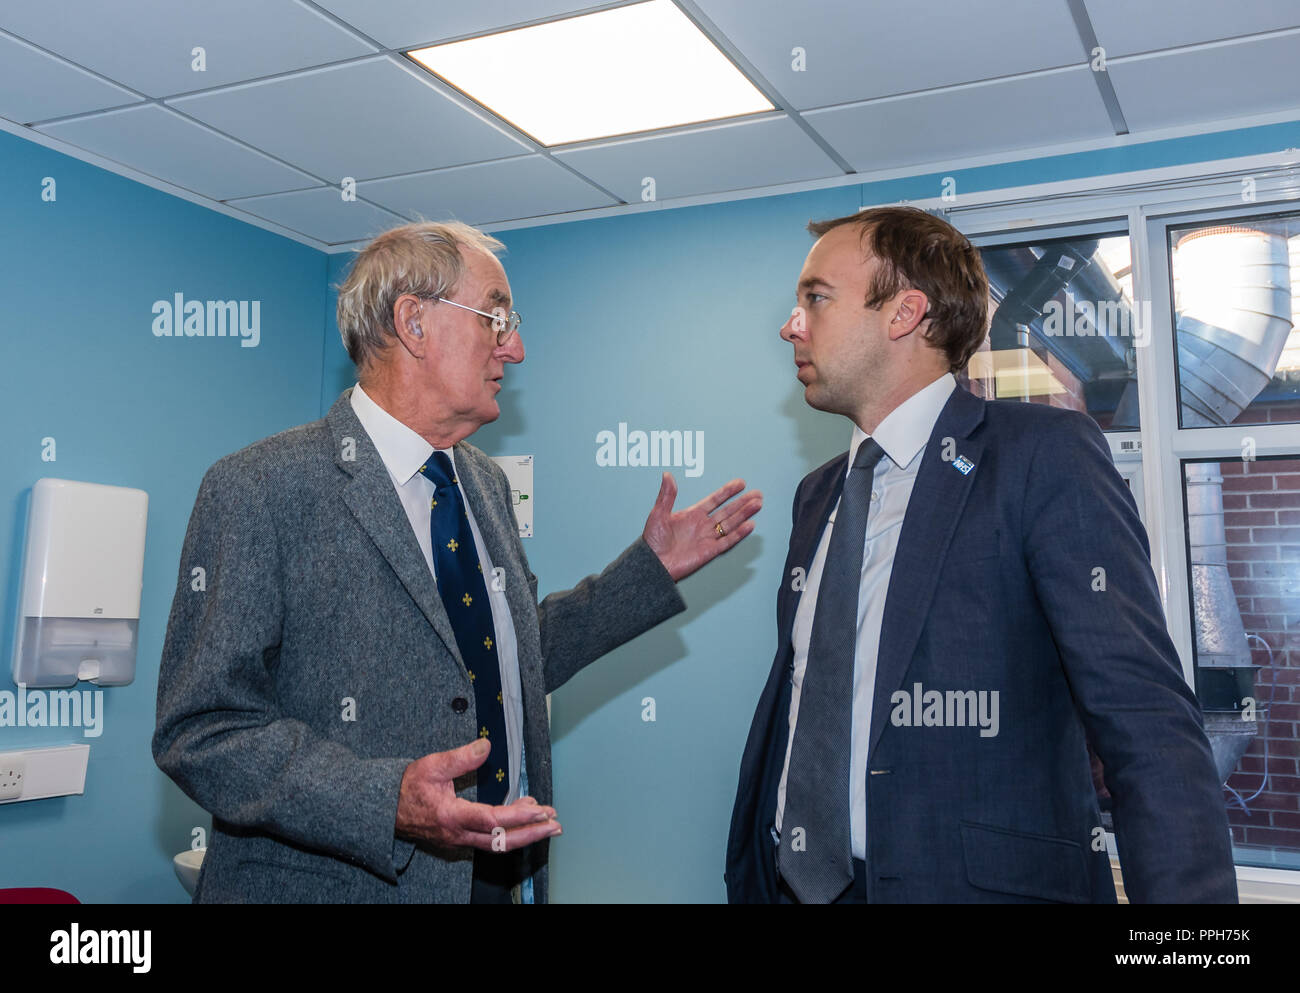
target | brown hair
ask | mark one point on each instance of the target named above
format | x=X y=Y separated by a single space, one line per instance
x=920 y=251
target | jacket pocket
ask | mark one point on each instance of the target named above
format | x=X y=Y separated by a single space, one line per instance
x=1023 y=864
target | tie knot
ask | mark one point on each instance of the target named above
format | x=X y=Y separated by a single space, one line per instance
x=869 y=453
x=437 y=469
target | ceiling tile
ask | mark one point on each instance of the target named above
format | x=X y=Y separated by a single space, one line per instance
x=1207 y=84
x=322 y=214
x=853 y=52
x=733 y=156
x=505 y=190
x=35 y=86
x=365 y=119
x=908 y=86
x=408 y=23
x=1124 y=27
x=147 y=44
x=156 y=141
x=932 y=129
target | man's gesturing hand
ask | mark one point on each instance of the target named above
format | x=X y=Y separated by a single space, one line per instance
x=688 y=539
x=428 y=808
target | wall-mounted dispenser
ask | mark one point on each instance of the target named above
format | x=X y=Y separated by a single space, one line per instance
x=79 y=604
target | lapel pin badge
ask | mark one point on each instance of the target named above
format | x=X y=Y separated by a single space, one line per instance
x=963 y=465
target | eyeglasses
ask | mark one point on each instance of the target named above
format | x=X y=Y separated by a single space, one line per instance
x=503 y=325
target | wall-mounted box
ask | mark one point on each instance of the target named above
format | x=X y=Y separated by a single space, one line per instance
x=83 y=568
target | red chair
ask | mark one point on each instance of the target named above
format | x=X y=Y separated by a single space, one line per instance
x=37 y=894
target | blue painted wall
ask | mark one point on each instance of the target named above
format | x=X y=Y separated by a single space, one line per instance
x=666 y=319
x=78 y=278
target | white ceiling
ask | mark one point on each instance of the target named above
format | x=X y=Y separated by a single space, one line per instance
x=297 y=95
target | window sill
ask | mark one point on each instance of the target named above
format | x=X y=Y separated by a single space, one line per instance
x=1254 y=885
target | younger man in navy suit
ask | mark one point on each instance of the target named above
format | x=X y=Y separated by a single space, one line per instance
x=967 y=602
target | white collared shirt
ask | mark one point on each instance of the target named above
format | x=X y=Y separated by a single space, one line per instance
x=902 y=434
x=404 y=452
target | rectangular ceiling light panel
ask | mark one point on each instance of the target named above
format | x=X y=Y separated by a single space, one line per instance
x=636 y=68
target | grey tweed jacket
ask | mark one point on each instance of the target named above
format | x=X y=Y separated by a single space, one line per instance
x=302 y=587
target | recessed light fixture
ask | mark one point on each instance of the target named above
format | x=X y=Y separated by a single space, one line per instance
x=621 y=71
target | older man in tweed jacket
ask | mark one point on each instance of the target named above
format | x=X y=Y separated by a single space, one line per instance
x=318 y=693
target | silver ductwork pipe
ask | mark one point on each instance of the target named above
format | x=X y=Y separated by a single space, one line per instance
x=1223 y=656
x=1234 y=316
x=1220 y=634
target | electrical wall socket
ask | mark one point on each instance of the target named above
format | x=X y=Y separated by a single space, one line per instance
x=12 y=767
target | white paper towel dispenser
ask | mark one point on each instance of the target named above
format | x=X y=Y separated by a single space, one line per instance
x=79 y=605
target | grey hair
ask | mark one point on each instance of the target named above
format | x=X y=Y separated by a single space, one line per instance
x=422 y=258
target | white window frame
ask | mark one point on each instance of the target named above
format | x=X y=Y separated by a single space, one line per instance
x=1148 y=203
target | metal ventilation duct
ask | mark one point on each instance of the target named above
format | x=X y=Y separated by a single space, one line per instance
x=1098 y=351
x=1220 y=634
x=1233 y=320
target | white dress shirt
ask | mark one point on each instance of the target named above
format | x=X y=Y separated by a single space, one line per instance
x=404 y=452
x=902 y=434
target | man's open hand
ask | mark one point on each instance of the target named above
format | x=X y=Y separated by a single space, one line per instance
x=428 y=808
x=688 y=539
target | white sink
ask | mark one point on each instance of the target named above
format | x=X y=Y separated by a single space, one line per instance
x=187 y=865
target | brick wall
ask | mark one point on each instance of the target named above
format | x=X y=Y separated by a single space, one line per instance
x=1262 y=521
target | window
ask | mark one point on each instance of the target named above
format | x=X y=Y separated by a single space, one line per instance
x=1236 y=288
x=1063 y=329
x=1243 y=537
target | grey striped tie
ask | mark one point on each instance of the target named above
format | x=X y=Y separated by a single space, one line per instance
x=817 y=783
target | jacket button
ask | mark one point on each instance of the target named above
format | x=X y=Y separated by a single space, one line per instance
x=460 y=705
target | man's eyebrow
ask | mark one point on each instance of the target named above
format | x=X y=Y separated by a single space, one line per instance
x=809 y=282
x=499 y=297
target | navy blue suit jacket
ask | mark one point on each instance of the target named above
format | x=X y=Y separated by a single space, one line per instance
x=995 y=587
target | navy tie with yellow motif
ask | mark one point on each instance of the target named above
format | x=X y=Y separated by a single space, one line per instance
x=464 y=593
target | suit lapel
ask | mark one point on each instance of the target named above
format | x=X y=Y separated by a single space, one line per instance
x=938 y=497
x=373 y=500
x=810 y=523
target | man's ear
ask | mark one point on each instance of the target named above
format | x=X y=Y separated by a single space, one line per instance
x=406 y=324
x=910 y=310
